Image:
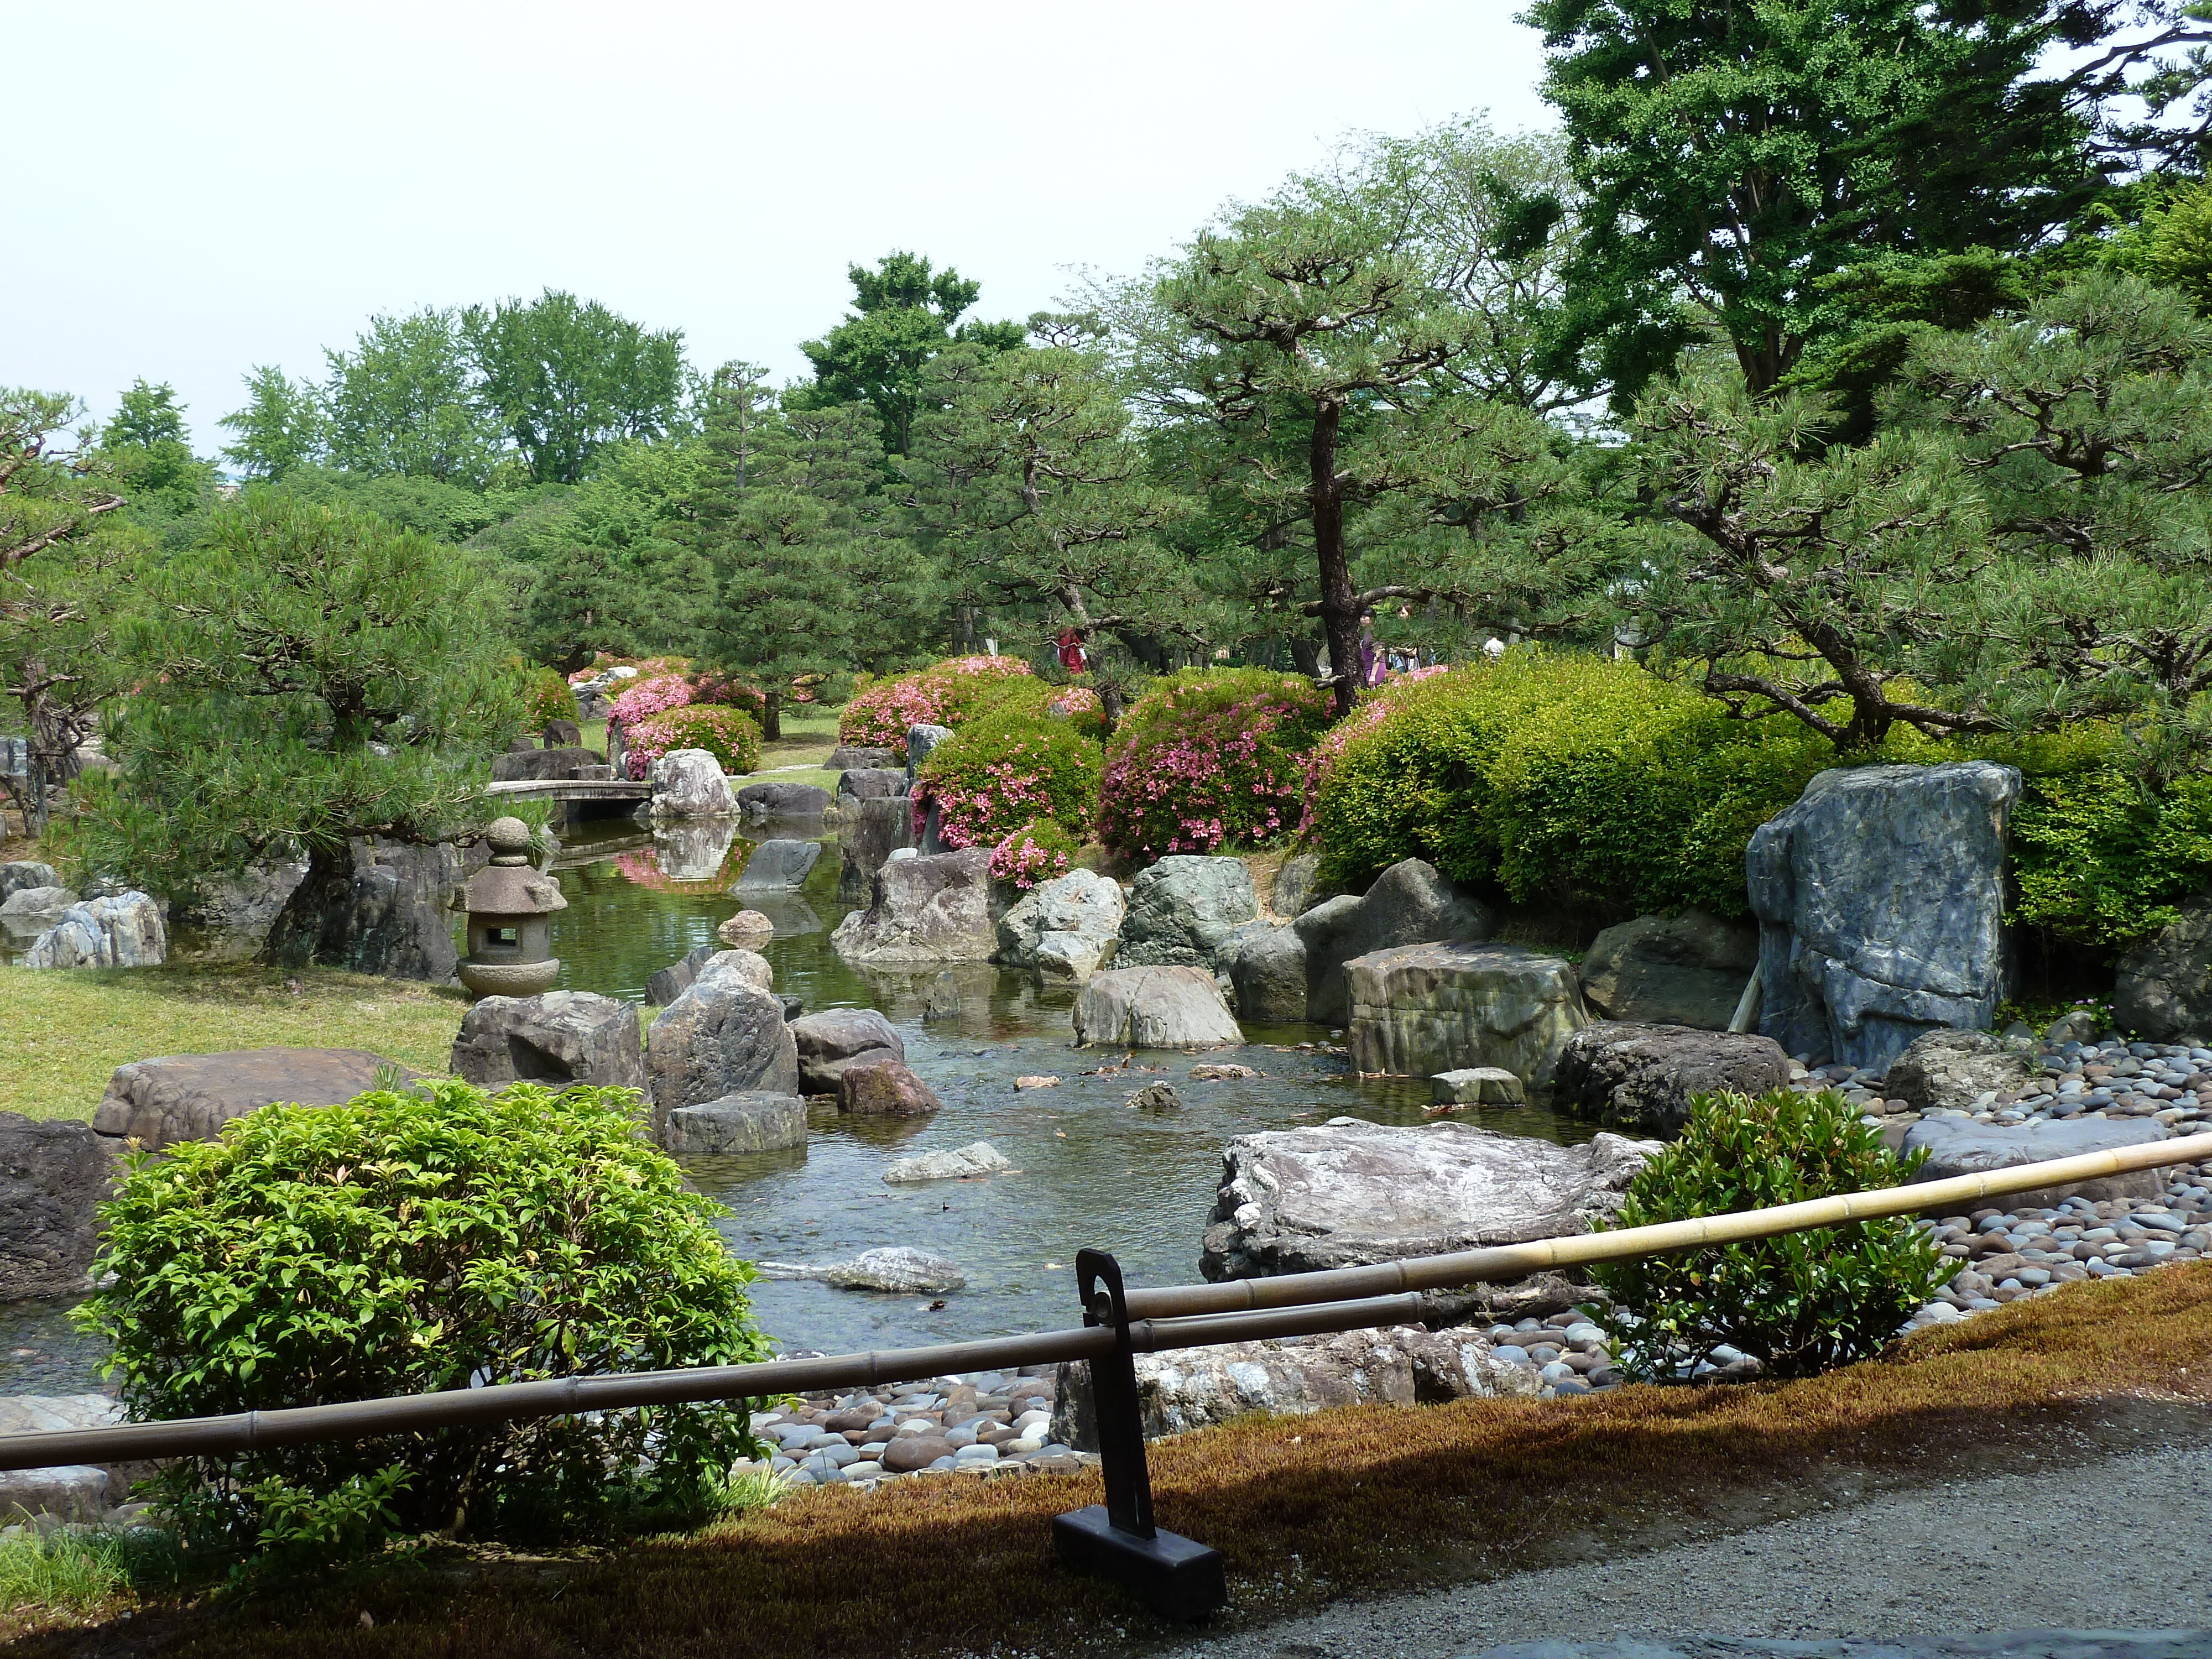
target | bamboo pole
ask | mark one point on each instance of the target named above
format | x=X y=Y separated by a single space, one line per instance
x=1245 y=1310
x=1502 y=1263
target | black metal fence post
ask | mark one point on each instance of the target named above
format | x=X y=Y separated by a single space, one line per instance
x=1175 y=1577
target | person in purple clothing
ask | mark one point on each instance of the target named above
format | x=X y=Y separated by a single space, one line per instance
x=1370 y=659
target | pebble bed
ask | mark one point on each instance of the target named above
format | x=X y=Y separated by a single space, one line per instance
x=2170 y=1083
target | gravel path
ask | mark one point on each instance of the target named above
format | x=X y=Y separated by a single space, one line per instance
x=2116 y=1543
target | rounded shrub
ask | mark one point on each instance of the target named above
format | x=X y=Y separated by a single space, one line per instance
x=997 y=773
x=648 y=696
x=729 y=734
x=1038 y=851
x=1209 y=756
x=948 y=694
x=547 y=697
x=415 y=1241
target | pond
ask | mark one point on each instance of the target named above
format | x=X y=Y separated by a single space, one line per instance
x=1088 y=1168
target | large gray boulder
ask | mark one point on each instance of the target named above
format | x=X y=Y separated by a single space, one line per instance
x=688 y=783
x=848 y=755
x=2162 y=989
x=867 y=835
x=233 y=913
x=1620 y=1072
x=735 y=1124
x=548 y=765
x=1182 y=910
x=922 y=910
x=1417 y=1010
x=920 y=740
x=1292 y=1376
x=19 y=873
x=1411 y=903
x=157 y=1102
x=870 y=783
x=1065 y=929
x=53 y=1174
x=555 y=1039
x=836 y=1038
x=1960 y=1145
x=762 y=801
x=1289 y=894
x=1949 y=1071
x=1267 y=967
x=123 y=931
x=1347 y=1192
x=382 y=910
x=1688 y=969
x=1154 y=1008
x=30 y=911
x=1880 y=901
x=664 y=985
x=778 y=867
x=724 y=1035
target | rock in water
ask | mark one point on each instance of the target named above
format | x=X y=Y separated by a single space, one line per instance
x=724 y=1035
x=1688 y=969
x=748 y=930
x=176 y=1097
x=754 y=1122
x=1880 y=901
x=779 y=867
x=1346 y=1194
x=664 y=985
x=1183 y=908
x=1155 y=1097
x=1620 y=1071
x=836 y=1038
x=870 y=783
x=19 y=873
x=688 y=783
x=383 y=911
x=978 y=1158
x=1065 y=929
x=1476 y=1085
x=1951 y=1070
x=32 y=910
x=54 y=1174
x=1960 y=1145
x=884 y=1088
x=1155 y=1008
x=1266 y=965
x=1292 y=1376
x=922 y=910
x=942 y=1000
x=2162 y=989
x=898 y=1269
x=1411 y=903
x=762 y=801
x=870 y=831
x=125 y=931
x=556 y=1039
x=1416 y=1010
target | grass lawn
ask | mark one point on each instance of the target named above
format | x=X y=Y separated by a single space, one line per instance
x=1307 y=1510
x=63 y=1033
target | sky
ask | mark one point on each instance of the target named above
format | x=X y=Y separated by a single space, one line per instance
x=234 y=184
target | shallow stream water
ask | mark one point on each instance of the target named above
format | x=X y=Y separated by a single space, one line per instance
x=1088 y=1170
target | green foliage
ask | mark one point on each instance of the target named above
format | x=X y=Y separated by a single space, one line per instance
x=279 y=430
x=1035 y=851
x=1800 y=1304
x=410 y=1243
x=546 y=695
x=1208 y=758
x=566 y=378
x=1000 y=770
x=402 y=401
x=1568 y=779
x=74 y=1568
x=2102 y=859
x=311 y=675
x=728 y=733
x=303 y=1529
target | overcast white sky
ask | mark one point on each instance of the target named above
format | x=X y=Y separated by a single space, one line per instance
x=232 y=184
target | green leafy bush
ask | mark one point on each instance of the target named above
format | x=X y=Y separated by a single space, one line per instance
x=406 y=1242
x=1211 y=757
x=997 y=773
x=2102 y=860
x=729 y=734
x=547 y=697
x=948 y=694
x=1037 y=851
x=1568 y=780
x=1800 y=1304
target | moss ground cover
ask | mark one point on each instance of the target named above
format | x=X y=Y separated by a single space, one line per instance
x=63 y=1033
x=1306 y=1510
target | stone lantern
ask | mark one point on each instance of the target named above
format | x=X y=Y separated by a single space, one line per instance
x=511 y=909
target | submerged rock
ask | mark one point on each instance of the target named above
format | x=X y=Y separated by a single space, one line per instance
x=978 y=1158
x=897 y=1269
x=778 y=865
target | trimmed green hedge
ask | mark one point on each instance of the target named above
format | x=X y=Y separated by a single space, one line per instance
x=998 y=772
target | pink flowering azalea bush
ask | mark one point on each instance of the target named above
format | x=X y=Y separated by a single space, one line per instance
x=730 y=735
x=950 y=693
x=996 y=773
x=1208 y=757
x=645 y=698
x=1038 y=851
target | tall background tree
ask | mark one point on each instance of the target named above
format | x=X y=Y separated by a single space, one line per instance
x=565 y=378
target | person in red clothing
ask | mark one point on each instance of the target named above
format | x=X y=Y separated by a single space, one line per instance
x=1072 y=657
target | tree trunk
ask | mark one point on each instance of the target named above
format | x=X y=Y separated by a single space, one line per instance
x=1305 y=655
x=771 y=715
x=1339 y=603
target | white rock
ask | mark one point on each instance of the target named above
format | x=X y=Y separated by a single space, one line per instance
x=956 y=1163
x=688 y=783
x=125 y=931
